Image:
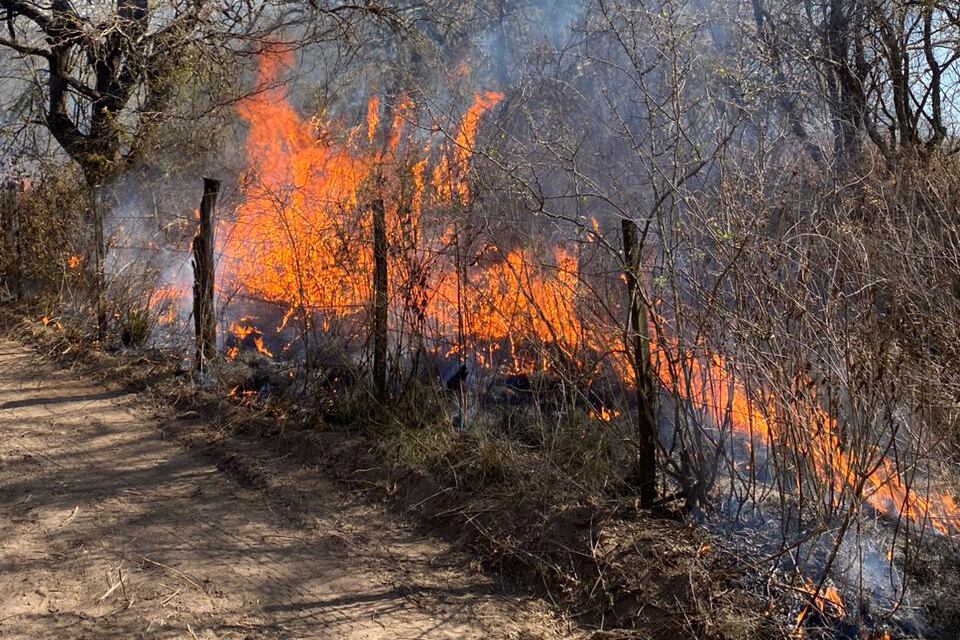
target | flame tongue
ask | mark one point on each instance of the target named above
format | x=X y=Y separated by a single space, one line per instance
x=373 y=117
x=246 y=336
x=296 y=234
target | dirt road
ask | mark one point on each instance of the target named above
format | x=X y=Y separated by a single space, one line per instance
x=109 y=531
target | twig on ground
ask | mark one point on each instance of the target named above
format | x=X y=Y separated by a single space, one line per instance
x=180 y=574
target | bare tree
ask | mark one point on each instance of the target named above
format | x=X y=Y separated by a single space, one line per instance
x=876 y=69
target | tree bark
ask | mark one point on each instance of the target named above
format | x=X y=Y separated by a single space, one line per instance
x=203 y=278
x=638 y=346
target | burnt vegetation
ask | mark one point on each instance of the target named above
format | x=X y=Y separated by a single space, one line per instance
x=654 y=303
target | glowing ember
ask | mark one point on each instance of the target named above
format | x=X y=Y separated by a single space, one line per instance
x=74 y=262
x=238 y=393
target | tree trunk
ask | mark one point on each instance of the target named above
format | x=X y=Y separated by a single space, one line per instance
x=638 y=345
x=380 y=299
x=203 y=277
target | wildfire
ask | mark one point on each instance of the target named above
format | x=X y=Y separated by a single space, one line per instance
x=373 y=117
x=827 y=601
x=246 y=334
x=53 y=323
x=165 y=303
x=244 y=394
x=604 y=414
x=513 y=301
x=74 y=262
x=304 y=215
x=301 y=240
x=706 y=382
x=449 y=176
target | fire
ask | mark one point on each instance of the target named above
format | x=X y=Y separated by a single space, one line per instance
x=827 y=601
x=258 y=344
x=305 y=214
x=830 y=596
x=373 y=117
x=604 y=414
x=74 y=262
x=449 y=176
x=292 y=238
x=707 y=383
x=514 y=301
x=238 y=393
x=165 y=303
x=246 y=334
x=301 y=240
x=53 y=323
x=467 y=133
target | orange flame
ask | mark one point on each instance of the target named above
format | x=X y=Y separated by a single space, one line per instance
x=243 y=331
x=373 y=117
x=164 y=303
x=52 y=323
x=305 y=214
x=708 y=384
x=604 y=414
x=449 y=176
x=827 y=601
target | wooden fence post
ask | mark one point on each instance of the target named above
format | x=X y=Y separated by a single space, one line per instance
x=13 y=249
x=203 y=277
x=639 y=345
x=380 y=299
x=99 y=258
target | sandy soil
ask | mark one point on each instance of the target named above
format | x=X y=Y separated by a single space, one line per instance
x=109 y=531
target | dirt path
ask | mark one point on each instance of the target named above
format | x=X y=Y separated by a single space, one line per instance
x=109 y=531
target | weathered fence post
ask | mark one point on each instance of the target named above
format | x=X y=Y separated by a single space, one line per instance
x=99 y=257
x=380 y=299
x=639 y=345
x=203 y=275
x=13 y=248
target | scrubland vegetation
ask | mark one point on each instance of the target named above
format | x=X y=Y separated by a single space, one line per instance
x=653 y=305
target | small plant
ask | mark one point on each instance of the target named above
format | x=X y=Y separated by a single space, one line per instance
x=136 y=325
